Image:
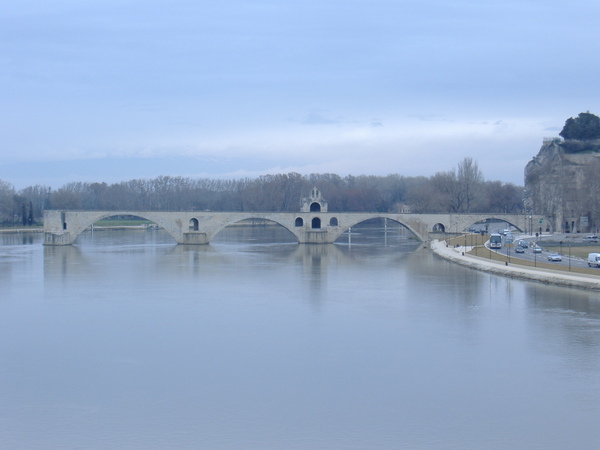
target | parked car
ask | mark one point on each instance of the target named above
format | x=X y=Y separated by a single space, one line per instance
x=519 y=249
x=554 y=257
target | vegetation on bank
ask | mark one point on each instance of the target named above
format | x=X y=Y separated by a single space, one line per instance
x=462 y=189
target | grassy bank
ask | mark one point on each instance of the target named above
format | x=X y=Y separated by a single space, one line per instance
x=117 y=222
x=575 y=252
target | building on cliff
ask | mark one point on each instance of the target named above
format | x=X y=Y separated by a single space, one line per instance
x=564 y=186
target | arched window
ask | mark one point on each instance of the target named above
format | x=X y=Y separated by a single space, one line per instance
x=315 y=207
x=439 y=228
x=193 y=224
x=316 y=223
x=299 y=222
x=333 y=222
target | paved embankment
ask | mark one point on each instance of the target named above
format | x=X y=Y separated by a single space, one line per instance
x=22 y=230
x=459 y=255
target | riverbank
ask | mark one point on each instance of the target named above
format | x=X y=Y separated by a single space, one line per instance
x=21 y=230
x=460 y=255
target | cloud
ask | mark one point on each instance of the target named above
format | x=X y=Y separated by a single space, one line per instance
x=315 y=118
x=259 y=86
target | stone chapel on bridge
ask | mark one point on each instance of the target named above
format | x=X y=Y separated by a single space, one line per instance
x=314 y=203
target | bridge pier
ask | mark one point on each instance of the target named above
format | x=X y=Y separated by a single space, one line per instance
x=51 y=238
x=194 y=238
x=315 y=237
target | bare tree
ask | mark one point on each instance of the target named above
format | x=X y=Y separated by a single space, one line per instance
x=470 y=181
x=65 y=199
x=6 y=200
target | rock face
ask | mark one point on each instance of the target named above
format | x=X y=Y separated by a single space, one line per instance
x=564 y=187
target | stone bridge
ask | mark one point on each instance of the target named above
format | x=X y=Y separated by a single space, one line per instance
x=192 y=227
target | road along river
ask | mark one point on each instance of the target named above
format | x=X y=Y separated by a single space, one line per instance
x=461 y=256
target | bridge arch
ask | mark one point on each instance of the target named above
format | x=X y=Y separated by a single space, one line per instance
x=250 y=216
x=349 y=224
x=495 y=223
x=76 y=222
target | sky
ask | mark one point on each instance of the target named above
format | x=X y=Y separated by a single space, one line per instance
x=114 y=90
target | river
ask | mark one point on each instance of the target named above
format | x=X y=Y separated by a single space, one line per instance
x=126 y=340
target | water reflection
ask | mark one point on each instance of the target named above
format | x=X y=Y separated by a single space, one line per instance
x=565 y=324
x=272 y=246
x=62 y=262
x=19 y=238
x=546 y=297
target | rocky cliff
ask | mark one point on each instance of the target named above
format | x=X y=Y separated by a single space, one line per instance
x=564 y=186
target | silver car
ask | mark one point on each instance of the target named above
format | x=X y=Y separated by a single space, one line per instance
x=554 y=257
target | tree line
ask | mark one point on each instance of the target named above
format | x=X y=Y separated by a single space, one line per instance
x=460 y=190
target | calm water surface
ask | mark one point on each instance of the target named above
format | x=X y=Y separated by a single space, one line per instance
x=126 y=340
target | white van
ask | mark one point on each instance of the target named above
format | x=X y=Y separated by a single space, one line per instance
x=594 y=259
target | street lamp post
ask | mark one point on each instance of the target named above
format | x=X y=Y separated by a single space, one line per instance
x=560 y=243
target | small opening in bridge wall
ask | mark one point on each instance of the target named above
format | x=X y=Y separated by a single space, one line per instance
x=333 y=222
x=193 y=224
x=439 y=228
x=315 y=207
x=316 y=223
x=299 y=222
